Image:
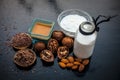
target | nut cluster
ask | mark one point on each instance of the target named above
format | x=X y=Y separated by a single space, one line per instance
x=74 y=63
x=58 y=44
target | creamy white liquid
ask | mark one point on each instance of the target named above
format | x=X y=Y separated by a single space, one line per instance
x=84 y=45
x=72 y=22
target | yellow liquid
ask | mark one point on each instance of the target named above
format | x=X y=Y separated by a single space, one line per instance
x=41 y=29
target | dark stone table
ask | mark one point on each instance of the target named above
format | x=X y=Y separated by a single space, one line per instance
x=17 y=15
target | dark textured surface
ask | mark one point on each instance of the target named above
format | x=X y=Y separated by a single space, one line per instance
x=17 y=15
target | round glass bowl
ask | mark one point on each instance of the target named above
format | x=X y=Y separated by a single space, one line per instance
x=70 y=20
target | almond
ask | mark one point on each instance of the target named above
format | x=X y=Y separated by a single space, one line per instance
x=69 y=65
x=70 y=59
x=64 y=61
x=62 y=65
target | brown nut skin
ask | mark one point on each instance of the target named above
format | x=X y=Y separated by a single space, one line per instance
x=62 y=52
x=21 y=41
x=69 y=65
x=47 y=55
x=25 y=58
x=78 y=59
x=70 y=59
x=39 y=46
x=85 y=62
x=74 y=67
x=81 y=68
x=76 y=63
x=58 y=35
x=62 y=65
x=53 y=45
x=64 y=61
x=67 y=41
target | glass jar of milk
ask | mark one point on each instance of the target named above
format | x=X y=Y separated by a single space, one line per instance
x=69 y=20
x=85 y=38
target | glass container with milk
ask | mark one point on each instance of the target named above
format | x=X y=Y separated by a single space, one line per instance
x=81 y=26
x=69 y=20
x=78 y=24
x=85 y=38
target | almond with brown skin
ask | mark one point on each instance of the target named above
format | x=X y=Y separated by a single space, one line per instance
x=64 y=61
x=70 y=59
x=62 y=65
x=74 y=67
x=81 y=68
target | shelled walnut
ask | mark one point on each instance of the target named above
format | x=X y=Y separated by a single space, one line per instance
x=21 y=41
x=53 y=45
x=47 y=56
x=25 y=58
x=62 y=52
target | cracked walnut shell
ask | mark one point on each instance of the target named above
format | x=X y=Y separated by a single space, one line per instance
x=47 y=55
x=53 y=45
x=62 y=52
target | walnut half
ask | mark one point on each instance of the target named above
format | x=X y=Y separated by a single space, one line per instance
x=62 y=52
x=47 y=55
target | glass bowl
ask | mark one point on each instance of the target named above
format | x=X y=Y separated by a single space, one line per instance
x=69 y=20
x=41 y=29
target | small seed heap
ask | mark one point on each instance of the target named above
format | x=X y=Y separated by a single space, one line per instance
x=73 y=63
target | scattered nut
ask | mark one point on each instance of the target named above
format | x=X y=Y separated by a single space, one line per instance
x=70 y=59
x=74 y=67
x=47 y=56
x=62 y=52
x=58 y=35
x=53 y=45
x=67 y=41
x=85 y=62
x=76 y=63
x=81 y=68
x=78 y=60
x=62 y=65
x=64 y=61
x=69 y=65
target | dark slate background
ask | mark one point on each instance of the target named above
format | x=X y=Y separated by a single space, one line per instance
x=17 y=15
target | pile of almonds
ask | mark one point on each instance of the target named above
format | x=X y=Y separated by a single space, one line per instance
x=73 y=63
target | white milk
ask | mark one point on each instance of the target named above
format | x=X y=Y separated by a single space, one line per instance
x=84 y=44
x=71 y=22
